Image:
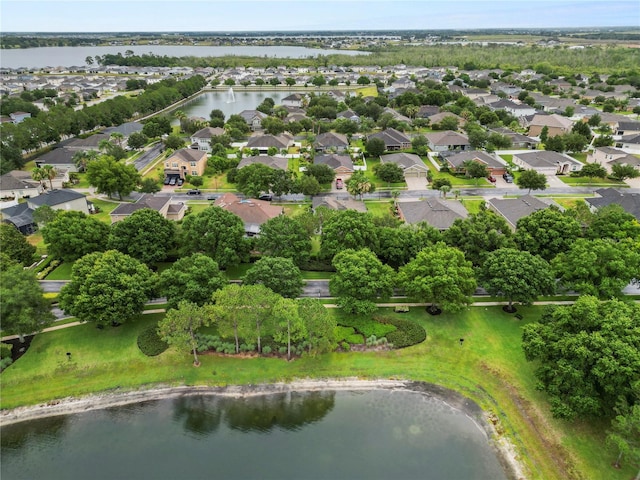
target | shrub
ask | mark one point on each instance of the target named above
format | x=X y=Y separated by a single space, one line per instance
x=367 y=326
x=345 y=346
x=266 y=350
x=150 y=343
x=5 y=350
x=5 y=362
x=407 y=333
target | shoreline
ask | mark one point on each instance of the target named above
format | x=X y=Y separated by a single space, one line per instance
x=505 y=450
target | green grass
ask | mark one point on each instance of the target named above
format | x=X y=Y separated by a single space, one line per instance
x=106 y=207
x=61 y=272
x=490 y=368
x=378 y=208
x=591 y=182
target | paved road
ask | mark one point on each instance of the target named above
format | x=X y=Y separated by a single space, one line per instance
x=148 y=157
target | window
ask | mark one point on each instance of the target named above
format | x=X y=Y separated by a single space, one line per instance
x=193 y=164
x=194 y=172
x=166 y=164
x=174 y=164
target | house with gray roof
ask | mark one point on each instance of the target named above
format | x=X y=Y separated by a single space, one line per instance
x=546 y=162
x=610 y=156
x=513 y=209
x=90 y=143
x=518 y=140
x=331 y=142
x=393 y=139
x=125 y=129
x=410 y=163
x=264 y=142
x=341 y=164
x=630 y=143
x=201 y=140
x=630 y=202
x=436 y=212
x=253 y=118
x=447 y=140
x=14 y=185
x=165 y=206
x=494 y=164
x=335 y=203
x=59 y=158
x=280 y=163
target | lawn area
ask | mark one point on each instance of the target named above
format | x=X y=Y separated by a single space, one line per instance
x=37 y=241
x=580 y=156
x=378 y=208
x=459 y=181
x=106 y=207
x=61 y=272
x=591 y=182
x=370 y=91
x=489 y=368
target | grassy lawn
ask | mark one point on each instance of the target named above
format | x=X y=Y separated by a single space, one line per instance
x=61 y=272
x=378 y=208
x=490 y=368
x=580 y=156
x=591 y=182
x=459 y=182
x=370 y=91
x=37 y=241
x=106 y=207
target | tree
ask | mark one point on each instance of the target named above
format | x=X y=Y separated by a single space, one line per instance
x=574 y=142
x=544 y=135
x=196 y=180
x=284 y=236
x=279 y=274
x=82 y=158
x=622 y=172
x=475 y=169
x=48 y=172
x=438 y=183
x=532 y=180
x=583 y=129
x=273 y=126
x=107 y=287
x=347 y=229
x=613 y=222
x=144 y=235
x=288 y=325
x=593 y=170
x=600 y=267
x=110 y=176
x=44 y=214
x=363 y=80
x=319 y=325
x=216 y=233
x=318 y=80
x=74 y=234
x=178 y=327
x=149 y=185
x=546 y=232
x=307 y=185
x=389 y=172
x=15 y=245
x=399 y=245
x=375 y=147
x=360 y=279
x=516 y=275
x=323 y=173
x=193 y=279
x=419 y=143
x=137 y=140
x=23 y=308
x=254 y=179
x=624 y=435
x=588 y=355
x=478 y=235
x=359 y=184
x=173 y=142
x=555 y=144
x=439 y=275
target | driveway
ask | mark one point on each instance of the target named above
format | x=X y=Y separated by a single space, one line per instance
x=416 y=183
x=555 y=182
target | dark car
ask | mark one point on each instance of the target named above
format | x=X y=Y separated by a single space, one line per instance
x=167 y=180
x=180 y=182
x=212 y=197
x=266 y=196
x=507 y=177
x=195 y=191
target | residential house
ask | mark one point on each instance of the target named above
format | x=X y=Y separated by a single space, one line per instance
x=427 y=111
x=393 y=139
x=185 y=161
x=494 y=164
x=517 y=139
x=513 y=209
x=334 y=203
x=331 y=142
x=252 y=212
x=294 y=100
x=630 y=202
x=21 y=215
x=253 y=118
x=438 y=213
x=60 y=158
x=410 y=163
x=201 y=140
x=609 y=156
x=14 y=185
x=90 y=143
x=17 y=117
x=628 y=128
x=436 y=118
x=630 y=143
x=164 y=205
x=264 y=142
x=516 y=109
x=556 y=125
x=546 y=162
x=341 y=164
x=447 y=140
x=349 y=115
x=280 y=163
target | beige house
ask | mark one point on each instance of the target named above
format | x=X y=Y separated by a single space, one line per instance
x=163 y=205
x=410 y=163
x=546 y=162
x=184 y=162
x=609 y=156
x=556 y=125
x=252 y=212
x=14 y=185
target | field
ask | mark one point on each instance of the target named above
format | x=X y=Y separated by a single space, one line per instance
x=489 y=368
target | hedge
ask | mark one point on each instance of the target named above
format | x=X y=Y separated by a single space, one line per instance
x=150 y=343
x=367 y=326
x=407 y=333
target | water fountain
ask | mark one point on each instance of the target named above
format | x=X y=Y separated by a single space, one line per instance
x=231 y=97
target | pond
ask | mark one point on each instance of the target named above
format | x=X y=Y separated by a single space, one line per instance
x=323 y=434
x=230 y=104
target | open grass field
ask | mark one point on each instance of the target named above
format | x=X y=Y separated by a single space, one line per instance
x=591 y=182
x=489 y=368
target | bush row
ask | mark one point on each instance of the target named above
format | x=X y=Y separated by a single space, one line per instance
x=407 y=333
x=367 y=326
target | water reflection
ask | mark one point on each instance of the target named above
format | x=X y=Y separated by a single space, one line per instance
x=44 y=431
x=201 y=415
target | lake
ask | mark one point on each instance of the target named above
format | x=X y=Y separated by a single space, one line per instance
x=202 y=105
x=376 y=434
x=75 y=56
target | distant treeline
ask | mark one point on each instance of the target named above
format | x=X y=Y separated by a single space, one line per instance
x=9 y=41
x=562 y=60
x=61 y=120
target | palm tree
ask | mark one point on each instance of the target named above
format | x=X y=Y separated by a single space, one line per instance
x=49 y=172
x=117 y=137
x=445 y=189
x=82 y=158
x=37 y=175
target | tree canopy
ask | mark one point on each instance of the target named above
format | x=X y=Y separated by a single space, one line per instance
x=107 y=287
x=284 y=236
x=144 y=235
x=588 y=355
x=398 y=245
x=532 y=180
x=279 y=274
x=347 y=229
x=110 y=176
x=74 y=234
x=547 y=232
x=179 y=327
x=15 y=245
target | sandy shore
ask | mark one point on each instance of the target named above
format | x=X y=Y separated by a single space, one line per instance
x=506 y=451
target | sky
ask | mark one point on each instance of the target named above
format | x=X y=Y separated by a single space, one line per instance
x=301 y=15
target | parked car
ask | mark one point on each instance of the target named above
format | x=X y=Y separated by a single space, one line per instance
x=180 y=182
x=212 y=197
x=507 y=177
x=167 y=180
x=491 y=178
x=172 y=181
x=339 y=183
x=266 y=196
x=194 y=191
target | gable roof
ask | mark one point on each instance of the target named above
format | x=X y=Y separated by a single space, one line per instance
x=249 y=115
x=447 y=137
x=513 y=209
x=554 y=120
x=145 y=201
x=252 y=212
x=334 y=161
x=436 y=212
x=208 y=132
x=630 y=202
x=188 y=155
x=11 y=181
x=392 y=137
x=90 y=142
x=57 y=156
x=331 y=139
x=485 y=158
x=545 y=158
x=267 y=141
x=55 y=197
x=404 y=160
x=273 y=162
x=633 y=138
